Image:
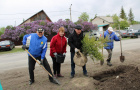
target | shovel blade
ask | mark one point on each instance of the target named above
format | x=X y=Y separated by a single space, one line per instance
x=56 y=81
x=122 y=58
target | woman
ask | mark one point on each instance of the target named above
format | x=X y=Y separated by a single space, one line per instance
x=58 y=46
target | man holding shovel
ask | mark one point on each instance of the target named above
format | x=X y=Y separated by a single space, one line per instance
x=110 y=44
x=37 y=48
x=75 y=44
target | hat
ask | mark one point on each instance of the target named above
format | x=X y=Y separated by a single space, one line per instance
x=78 y=27
x=40 y=30
x=110 y=29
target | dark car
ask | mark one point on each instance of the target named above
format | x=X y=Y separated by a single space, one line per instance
x=7 y=45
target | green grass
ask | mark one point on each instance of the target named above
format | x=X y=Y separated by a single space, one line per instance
x=12 y=51
x=126 y=38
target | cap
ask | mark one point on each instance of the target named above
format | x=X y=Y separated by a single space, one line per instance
x=78 y=27
x=40 y=30
x=110 y=29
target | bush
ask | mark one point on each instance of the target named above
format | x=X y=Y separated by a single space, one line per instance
x=92 y=48
x=15 y=33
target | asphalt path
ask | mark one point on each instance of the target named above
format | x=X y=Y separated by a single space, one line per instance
x=20 y=59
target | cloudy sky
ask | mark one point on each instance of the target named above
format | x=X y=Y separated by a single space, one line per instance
x=12 y=12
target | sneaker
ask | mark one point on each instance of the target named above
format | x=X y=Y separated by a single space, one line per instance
x=59 y=75
x=31 y=82
x=109 y=64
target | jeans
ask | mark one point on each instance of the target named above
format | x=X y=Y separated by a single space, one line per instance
x=73 y=65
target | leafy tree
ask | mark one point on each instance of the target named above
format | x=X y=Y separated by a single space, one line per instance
x=131 y=16
x=2 y=30
x=122 y=14
x=135 y=22
x=123 y=24
x=116 y=21
x=84 y=16
x=92 y=48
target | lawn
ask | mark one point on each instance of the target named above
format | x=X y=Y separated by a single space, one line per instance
x=11 y=51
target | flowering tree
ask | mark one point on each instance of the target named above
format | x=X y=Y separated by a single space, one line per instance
x=15 y=33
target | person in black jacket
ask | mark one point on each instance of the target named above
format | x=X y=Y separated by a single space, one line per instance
x=75 y=44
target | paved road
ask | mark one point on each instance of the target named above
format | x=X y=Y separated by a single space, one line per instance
x=18 y=60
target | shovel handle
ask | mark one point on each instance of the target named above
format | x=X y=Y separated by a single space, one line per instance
x=38 y=62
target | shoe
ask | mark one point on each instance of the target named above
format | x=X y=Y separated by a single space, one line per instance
x=31 y=82
x=59 y=75
x=53 y=81
x=109 y=64
x=86 y=75
x=72 y=76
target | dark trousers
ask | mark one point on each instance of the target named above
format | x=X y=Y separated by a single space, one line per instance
x=31 y=66
x=73 y=65
x=56 y=66
x=109 y=54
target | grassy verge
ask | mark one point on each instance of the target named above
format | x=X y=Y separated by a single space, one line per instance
x=12 y=51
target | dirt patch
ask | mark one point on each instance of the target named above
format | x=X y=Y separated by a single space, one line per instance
x=81 y=82
x=123 y=77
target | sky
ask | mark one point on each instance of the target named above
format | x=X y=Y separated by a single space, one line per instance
x=12 y=12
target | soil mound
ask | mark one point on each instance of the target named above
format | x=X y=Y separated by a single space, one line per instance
x=119 y=78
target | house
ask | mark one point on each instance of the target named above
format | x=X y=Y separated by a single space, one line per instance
x=135 y=27
x=41 y=15
x=103 y=22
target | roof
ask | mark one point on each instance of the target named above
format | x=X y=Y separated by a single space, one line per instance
x=108 y=19
x=103 y=25
x=36 y=14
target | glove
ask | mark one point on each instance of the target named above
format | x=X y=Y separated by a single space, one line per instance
x=41 y=62
x=55 y=54
x=76 y=50
x=64 y=54
x=23 y=47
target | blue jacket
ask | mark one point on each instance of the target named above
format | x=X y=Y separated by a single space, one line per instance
x=38 y=45
x=111 y=38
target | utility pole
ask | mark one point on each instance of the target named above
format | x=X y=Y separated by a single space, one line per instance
x=70 y=12
x=15 y=23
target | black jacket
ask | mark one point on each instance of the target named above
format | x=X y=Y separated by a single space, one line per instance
x=74 y=41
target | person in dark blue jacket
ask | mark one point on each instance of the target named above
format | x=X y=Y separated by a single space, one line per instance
x=37 y=43
x=110 y=44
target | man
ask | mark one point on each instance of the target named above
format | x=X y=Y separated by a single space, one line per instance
x=75 y=44
x=37 y=48
x=110 y=44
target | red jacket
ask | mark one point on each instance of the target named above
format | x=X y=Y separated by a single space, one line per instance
x=58 y=44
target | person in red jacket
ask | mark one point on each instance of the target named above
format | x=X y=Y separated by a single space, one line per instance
x=58 y=46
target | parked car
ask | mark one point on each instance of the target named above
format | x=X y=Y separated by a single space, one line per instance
x=117 y=33
x=134 y=33
x=6 y=45
x=95 y=34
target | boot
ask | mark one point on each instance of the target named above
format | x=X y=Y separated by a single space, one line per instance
x=31 y=82
x=108 y=63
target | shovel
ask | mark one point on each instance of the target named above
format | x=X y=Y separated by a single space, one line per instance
x=44 y=68
x=122 y=58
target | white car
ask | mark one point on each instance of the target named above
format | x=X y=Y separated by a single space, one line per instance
x=95 y=34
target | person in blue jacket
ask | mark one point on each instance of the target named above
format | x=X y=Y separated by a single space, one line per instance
x=110 y=44
x=37 y=46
